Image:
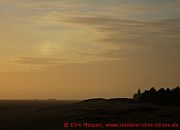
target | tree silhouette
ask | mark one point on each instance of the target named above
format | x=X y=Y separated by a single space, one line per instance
x=161 y=96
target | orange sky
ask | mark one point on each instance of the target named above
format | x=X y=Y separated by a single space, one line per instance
x=79 y=49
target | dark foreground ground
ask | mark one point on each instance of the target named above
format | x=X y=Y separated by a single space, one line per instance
x=51 y=115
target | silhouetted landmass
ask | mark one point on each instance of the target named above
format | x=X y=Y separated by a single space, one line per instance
x=161 y=96
x=111 y=100
x=152 y=106
x=51 y=115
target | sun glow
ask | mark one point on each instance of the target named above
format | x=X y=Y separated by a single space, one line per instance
x=48 y=49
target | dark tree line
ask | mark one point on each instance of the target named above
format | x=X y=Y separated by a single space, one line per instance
x=161 y=96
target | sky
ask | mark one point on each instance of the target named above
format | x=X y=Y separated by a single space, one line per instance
x=78 y=49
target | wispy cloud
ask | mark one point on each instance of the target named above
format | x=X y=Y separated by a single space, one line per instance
x=37 y=61
x=52 y=5
x=89 y=30
x=132 y=35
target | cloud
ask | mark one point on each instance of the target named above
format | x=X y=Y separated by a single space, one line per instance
x=48 y=5
x=113 y=29
x=118 y=30
x=152 y=39
x=126 y=38
x=38 y=61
